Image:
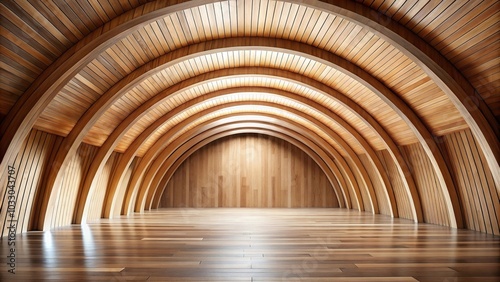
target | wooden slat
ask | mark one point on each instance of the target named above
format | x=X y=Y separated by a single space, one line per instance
x=400 y=193
x=29 y=167
x=475 y=185
x=97 y=196
x=431 y=194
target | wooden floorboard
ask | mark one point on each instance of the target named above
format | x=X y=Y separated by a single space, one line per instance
x=254 y=245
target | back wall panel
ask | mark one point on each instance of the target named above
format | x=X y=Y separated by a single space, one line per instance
x=249 y=170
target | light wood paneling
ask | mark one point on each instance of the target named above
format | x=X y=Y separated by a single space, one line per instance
x=249 y=171
x=97 y=198
x=259 y=245
x=458 y=30
x=65 y=196
x=378 y=186
x=112 y=203
x=364 y=194
x=400 y=193
x=28 y=169
x=433 y=204
x=340 y=36
x=479 y=198
x=36 y=33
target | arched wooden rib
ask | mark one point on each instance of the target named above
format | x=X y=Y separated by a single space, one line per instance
x=158 y=98
x=190 y=146
x=86 y=122
x=91 y=116
x=109 y=145
x=359 y=168
x=135 y=185
x=331 y=165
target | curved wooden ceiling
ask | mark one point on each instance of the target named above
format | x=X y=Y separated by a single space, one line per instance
x=351 y=78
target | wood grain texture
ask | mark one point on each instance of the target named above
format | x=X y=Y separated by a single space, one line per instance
x=400 y=193
x=62 y=204
x=327 y=165
x=28 y=170
x=249 y=171
x=475 y=184
x=248 y=244
x=433 y=204
x=96 y=199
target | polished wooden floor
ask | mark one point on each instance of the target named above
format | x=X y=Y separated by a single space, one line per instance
x=254 y=245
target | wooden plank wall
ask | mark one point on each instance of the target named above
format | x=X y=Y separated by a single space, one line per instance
x=67 y=193
x=120 y=192
x=98 y=195
x=431 y=196
x=249 y=171
x=29 y=167
x=383 y=204
x=400 y=193
x=476 y=188
x=365 y=197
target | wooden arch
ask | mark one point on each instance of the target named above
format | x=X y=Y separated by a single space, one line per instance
x=366 y=181
x=132 y=154
x=321 y=146
x=71 y=143
x=392 y=147
x=134 y=148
